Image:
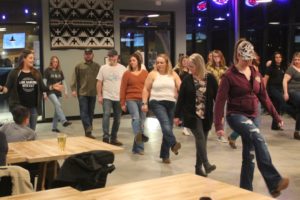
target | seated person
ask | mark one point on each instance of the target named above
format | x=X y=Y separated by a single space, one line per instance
x=18 y=130
x=3 y=149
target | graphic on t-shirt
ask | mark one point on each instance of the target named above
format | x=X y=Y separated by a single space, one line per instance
x=55 y=76
x=27 y=84
x=114 y=76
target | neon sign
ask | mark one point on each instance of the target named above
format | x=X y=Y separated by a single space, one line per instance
x=220 y=2
x=202 y=6
x=251 y=3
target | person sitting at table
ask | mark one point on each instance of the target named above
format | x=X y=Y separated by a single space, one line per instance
x=3 y=148
x=18 y=130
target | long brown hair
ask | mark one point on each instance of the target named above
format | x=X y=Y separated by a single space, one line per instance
x=58 y=63
x=179 y=65
x=138 y=58
x=24 y=54
x=222 y=59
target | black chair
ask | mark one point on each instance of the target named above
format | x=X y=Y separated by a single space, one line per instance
x=85 y=171
x=5 y=186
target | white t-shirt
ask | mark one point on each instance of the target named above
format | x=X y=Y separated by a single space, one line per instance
x=111 y=77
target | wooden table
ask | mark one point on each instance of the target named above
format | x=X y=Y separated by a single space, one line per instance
x=44 y=151
x=14 y=157
x=177 y=187
x=47 y=150
x=65 y=193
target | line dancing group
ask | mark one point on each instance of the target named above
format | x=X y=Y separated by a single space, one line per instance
x=194 y=95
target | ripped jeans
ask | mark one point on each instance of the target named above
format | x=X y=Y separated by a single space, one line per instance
x=252 y=139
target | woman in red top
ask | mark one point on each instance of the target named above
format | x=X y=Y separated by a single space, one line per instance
x=131 y=98
x=242 y=87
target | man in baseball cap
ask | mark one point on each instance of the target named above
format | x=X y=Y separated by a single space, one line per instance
x=108 y=90
x=83 y=87
x=88 y=50
x=112 y=53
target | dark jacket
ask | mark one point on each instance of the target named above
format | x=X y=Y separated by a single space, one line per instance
x=11 y=84
x=186 y=103
x=86 y=170
x=242 y=96
x=3 y=149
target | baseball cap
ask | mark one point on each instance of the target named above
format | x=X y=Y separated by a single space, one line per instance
x=112 y=52
x=88 y=50
x=246 y=50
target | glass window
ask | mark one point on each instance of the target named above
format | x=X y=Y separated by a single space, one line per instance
x=19 y=29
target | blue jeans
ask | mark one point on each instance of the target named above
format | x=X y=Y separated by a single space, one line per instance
x=295 y=100
x=276 y=95
x=33 y=118
x=87 y=107
x=164 y=112
x=117 y=112
x=138 y=118
x=58 y=112
x=251 y=137
x=234 y=135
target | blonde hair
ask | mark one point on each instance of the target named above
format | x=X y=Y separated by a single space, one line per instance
x=179 y=65
x=235 y=53
x=222 y=61
x=198 y=61
x=169 y=67
x=58 y=63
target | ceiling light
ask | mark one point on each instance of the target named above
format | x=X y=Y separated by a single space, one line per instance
x=153 y=15
x=2 y=29
x=274 y=23
x=31 y=22
x=219 y=19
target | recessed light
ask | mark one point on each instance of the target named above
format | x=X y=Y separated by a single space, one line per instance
x=274 y=23
x=219 y=19
x=153 y=15
x=31 y=22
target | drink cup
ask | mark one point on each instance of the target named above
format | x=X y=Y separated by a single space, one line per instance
x=62 y=139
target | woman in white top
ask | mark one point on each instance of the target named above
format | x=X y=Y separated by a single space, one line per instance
x=161 y=87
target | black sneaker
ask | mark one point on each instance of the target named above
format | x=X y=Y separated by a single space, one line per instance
x=55 y=130
x=106 y=140
x=90 y=136
x=116 y=142
x=67 y=123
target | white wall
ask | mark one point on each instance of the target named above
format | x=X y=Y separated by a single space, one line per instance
x=69 y=58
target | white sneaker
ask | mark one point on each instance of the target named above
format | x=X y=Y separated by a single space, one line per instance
x=185 y=131
x=222 y=139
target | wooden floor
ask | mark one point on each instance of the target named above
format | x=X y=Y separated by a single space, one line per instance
x=130 y=167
